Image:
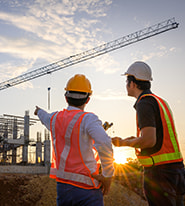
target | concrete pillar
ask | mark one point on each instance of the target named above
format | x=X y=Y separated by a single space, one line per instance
x=47 y=134
x=26 y=137
x=14 y=149
x=47 y=149
x=5 y=146
x=38 y=149
x=15 y=128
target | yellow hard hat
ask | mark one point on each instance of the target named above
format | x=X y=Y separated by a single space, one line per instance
x=79 y=83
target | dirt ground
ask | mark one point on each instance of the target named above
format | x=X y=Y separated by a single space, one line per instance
x=38 y=190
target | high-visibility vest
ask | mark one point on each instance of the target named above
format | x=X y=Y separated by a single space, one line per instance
x=67 y=162
x=170 y=151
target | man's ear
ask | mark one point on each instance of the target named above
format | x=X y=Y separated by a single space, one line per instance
x=133 y=84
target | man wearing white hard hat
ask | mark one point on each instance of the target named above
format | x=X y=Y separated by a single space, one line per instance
x=156 y=144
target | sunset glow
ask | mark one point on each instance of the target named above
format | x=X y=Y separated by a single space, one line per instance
x=119 y=157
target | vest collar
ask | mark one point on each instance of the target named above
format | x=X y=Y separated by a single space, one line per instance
x=148 y=91
x=72 y=108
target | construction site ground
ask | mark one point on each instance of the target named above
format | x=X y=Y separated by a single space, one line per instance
x=37 y=190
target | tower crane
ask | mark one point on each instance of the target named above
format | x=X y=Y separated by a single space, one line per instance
x=92 y=53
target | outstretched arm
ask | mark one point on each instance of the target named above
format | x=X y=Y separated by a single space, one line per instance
x=146 y=140
x=43 y=116
x=36 y=110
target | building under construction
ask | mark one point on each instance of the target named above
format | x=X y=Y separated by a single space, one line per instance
x=18 y=150
x=16 y=147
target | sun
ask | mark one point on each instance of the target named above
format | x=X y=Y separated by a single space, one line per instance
x=119 y=157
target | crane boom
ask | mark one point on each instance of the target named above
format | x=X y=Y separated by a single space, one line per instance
x=92 y=53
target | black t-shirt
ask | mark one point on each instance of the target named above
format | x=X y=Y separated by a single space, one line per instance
x=149 y=116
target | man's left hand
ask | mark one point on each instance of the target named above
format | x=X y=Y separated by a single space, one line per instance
x=106 y=182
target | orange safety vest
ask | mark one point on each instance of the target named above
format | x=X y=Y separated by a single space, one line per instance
x=169 y=151
x=67 y=163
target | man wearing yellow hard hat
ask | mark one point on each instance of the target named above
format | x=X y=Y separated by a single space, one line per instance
x=156 y=144
x=79 y=142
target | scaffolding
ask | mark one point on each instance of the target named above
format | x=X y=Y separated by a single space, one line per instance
x=22 y=150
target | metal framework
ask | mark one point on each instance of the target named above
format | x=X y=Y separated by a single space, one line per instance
x=92 y=53
x=12 y=126
x=15 y=144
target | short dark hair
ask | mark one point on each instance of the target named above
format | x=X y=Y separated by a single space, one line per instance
x=142 y=85
x=76 y=102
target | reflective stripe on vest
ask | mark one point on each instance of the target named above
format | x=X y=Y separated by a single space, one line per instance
x=60 y=171
x=165 y=154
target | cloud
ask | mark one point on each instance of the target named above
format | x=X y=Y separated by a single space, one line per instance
x=57 y=21
x=8 y=70
x=106 y=64
x=159 y=51
x=29 y=49
x=111 y=95
x=45 y=30
x=53 y=23
x=172 y=49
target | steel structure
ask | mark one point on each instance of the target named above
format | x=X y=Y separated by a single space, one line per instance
x=16 y=147
x=92 y=53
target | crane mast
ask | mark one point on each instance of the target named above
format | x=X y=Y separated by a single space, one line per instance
x=92 y=53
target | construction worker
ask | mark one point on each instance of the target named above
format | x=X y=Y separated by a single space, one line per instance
x=156 y=144
x=74 y=135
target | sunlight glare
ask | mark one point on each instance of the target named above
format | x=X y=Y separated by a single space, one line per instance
x=119 y=157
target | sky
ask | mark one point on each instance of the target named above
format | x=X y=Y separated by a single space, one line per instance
x=36 y=33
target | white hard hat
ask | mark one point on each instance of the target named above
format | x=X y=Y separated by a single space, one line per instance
x=140 y=70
